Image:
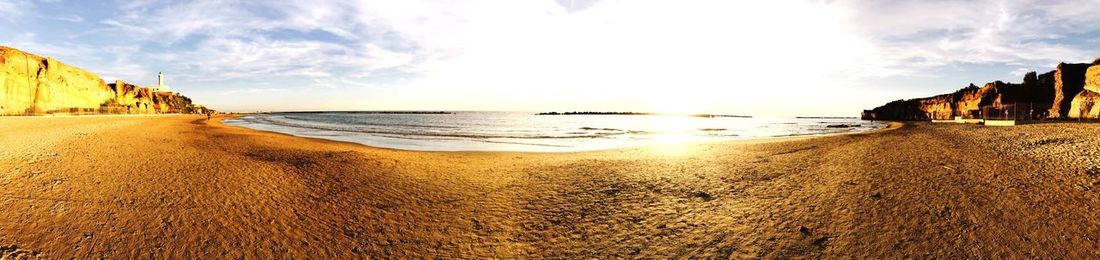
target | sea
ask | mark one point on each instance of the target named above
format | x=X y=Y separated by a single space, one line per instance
x=531 y=132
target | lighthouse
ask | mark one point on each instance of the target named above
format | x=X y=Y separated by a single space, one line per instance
x=160 y=87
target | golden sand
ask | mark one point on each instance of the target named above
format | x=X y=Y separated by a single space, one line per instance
x=185 y=187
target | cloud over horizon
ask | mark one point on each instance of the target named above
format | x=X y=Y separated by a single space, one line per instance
x=769 y=57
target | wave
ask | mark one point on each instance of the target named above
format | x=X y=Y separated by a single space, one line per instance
x=360 y=122
x=412 y=130
x=524 y=132
x=596 y=128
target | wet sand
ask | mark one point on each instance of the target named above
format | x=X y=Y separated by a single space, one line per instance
x=184 y=187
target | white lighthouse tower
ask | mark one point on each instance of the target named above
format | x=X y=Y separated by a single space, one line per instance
x=160 y=87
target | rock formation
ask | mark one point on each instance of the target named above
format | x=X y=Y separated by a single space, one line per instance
x=1069 y=79
x=33 y=85
x=967 y=102
x=30 y=84
x=1072 y=90
x=1086 y=104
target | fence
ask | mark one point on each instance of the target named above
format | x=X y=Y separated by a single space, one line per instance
x=1020 y=112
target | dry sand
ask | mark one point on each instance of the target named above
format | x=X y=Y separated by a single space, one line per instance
x=183 y=187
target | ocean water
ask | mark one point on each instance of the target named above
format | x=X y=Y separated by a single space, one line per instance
x=525 y=131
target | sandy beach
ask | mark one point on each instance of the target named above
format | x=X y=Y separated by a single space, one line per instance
x=184 y=187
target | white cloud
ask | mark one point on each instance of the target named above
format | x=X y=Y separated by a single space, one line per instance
x=717 y=56
x=938 y=33
x=12 y=10
x=653 y=54
x=236 y=58
x=234 y=92
x=688 y=55
x=1019 y=72
x=124 y=67
x=172 y=21
x=71 y=18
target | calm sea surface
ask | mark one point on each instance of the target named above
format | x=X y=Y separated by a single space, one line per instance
x=524 y=131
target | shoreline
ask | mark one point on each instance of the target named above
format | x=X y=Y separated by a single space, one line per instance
x=182 y=187
x=889 y=125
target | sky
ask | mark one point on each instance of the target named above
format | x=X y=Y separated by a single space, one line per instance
x=764 y=58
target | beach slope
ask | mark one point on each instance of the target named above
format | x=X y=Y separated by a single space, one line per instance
x=184 y=187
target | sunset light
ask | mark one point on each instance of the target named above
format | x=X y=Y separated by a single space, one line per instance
x=549 y=129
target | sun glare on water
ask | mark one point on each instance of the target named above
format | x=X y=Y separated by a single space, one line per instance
x=674 y=128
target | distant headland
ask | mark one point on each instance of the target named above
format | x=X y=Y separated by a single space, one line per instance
x=36 y=85
x=574 y=113
x=1070 y=91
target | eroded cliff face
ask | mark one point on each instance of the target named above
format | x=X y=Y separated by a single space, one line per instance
x=967 y=102
x=1063 y=93
x=1086 y=104
x=1069 y=79
x=32 y=85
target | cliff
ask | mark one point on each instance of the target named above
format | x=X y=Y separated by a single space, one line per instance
x=1084 y=104
x=967 y=102
x=1069 y=80
x=30 y=84
x=34 y=85
x=1069 y=91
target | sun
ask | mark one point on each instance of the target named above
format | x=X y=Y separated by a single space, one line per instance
x=673 y=129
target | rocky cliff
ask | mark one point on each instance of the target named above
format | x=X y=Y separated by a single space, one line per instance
x=1069 y=91
x=1068 y=81
x=34 y=85
x=1086 y=104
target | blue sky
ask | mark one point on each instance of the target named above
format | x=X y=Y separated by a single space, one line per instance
x=779 y=57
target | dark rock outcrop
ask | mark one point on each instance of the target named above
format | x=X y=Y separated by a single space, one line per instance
x=1069 y=80
x=1086 y=104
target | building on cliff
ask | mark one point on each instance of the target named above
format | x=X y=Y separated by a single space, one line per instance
x=160 y=87
x=36 y=85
